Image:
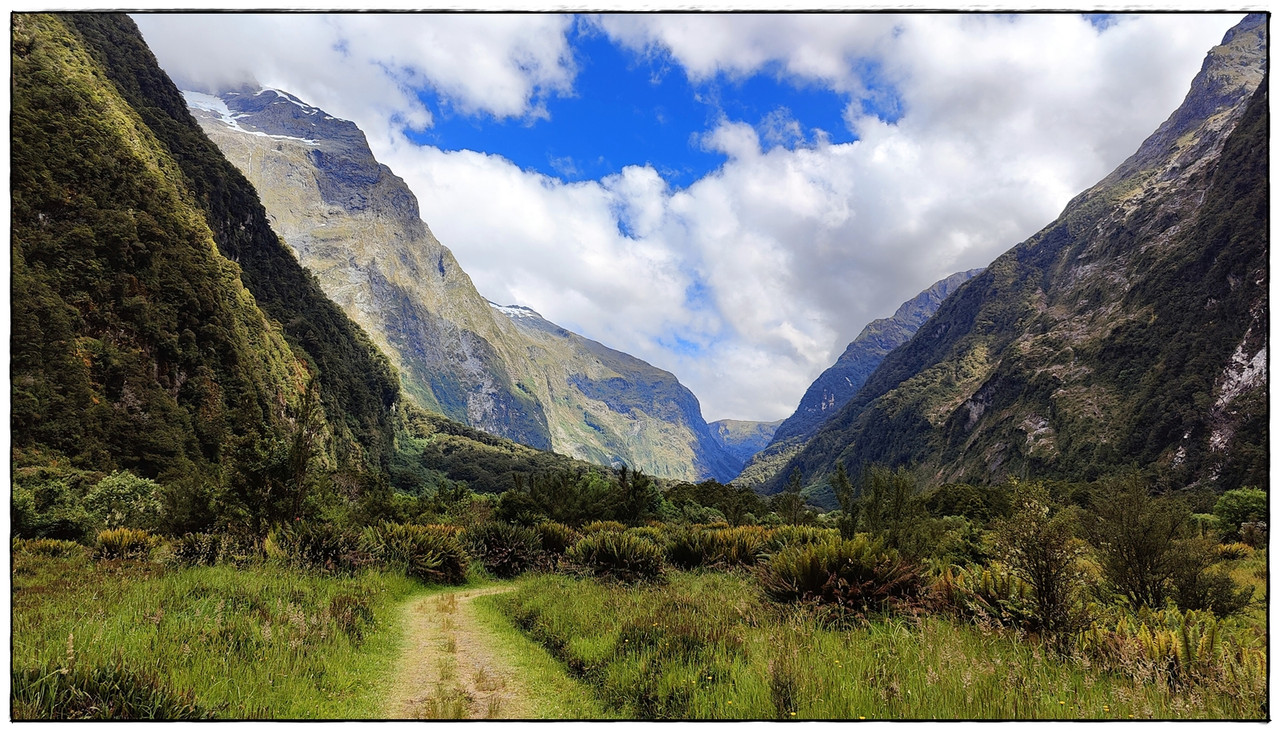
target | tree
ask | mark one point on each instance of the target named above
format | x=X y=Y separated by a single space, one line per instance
x=890 y=507
x=1134 y=534
x=637 y=497
x=789 y=504
x=1241 y=506
x=1038 y=544
x=122 y=499
x=843 y=488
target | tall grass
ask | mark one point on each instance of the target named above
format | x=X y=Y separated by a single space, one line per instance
x=269 y=642
x=710 y=646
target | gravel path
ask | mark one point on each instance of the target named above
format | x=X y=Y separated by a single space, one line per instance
x=449 y=669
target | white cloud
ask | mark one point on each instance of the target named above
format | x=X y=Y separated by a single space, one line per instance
x=771 y=264
x=369 y=67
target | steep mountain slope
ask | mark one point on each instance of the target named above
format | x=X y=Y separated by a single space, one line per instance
x=135 y=344
x=743 y=438
x=357 y=386
x=1132 y=330
x=610 y=407
x=357 y=226
x=838 y=384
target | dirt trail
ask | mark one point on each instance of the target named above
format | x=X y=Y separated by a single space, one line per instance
x=449 y=668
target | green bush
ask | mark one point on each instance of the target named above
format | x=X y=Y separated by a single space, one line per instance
x=988 y=595
x=317 y=546
x=1240 y=506
x=852 y=577
x=503 y=549
x=423 y=552
x=48 y=547
x=654 y=534
x=100 y=692
x=556 y=537
x=595 y=526
x=690 y=548
x=1199 y=585
x=617 y=556
x=125 y=544
x=1234 y=551
x=198 y=549
x=786 y=536
x=124 y=499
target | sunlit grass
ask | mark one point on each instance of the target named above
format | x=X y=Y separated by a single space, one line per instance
x=262 y=642
x=708 y=646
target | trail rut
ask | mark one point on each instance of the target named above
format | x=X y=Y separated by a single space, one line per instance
x=449 y=668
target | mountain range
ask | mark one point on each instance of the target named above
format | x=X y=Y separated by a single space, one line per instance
x=501 y=369
x=247 y=306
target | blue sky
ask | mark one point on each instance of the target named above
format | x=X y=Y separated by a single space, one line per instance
x=628 y=108
x=655 y=182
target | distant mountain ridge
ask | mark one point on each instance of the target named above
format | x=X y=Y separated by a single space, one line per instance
x=839 y=383
x=1130 y=331
x=502 y=369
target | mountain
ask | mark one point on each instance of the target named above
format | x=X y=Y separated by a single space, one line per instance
x=504 y=370
x=838 y=384
x=1130 y=331
x=743 y=438
x=158 y=324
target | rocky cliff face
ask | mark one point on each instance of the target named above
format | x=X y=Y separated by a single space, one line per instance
x=356 y=225
x=838 y=384
x=1132 y=330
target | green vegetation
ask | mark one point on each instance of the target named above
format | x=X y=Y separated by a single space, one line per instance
x=710 y=646
x=134 y=639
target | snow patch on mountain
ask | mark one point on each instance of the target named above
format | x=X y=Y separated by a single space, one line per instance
x=210 y=103
x=514 y=311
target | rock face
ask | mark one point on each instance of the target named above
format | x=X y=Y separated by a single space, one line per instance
x=743 y=438
x=1132 y=330
x=356 y=225
x=838 y=384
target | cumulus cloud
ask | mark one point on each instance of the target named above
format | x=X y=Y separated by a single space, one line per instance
x=751 y=280
x=370 y=68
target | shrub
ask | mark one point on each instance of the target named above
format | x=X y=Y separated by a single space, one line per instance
x=426 y=553
x=741 y=546
x=503 y=549
x=318 y=546
x=125 y=544
x=595 y=526
x=649 y=533
x=197 y=549
x=124 y=499
x=618 y=556
x=987 y=595
x=102 y=692
x=1038 y=544
x=1254 y=533
x=48 y=547
x=690 y=548
x=852 y=576
x=1240 y=506
x=556 y=537
x=1134 y=534
x=785 y=536
x=1198 y=585
x=1234 y=551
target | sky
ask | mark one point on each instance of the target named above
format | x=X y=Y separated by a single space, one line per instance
x=730 y=197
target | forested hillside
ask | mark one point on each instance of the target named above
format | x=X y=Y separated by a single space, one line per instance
x=1131 y=331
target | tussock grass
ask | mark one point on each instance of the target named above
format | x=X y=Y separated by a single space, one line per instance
x=710 y=646
x=259 y=643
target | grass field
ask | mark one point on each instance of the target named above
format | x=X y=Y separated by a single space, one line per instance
x=708 y=646
x=265 y=643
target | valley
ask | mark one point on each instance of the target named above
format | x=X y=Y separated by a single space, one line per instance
x=276 y=457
